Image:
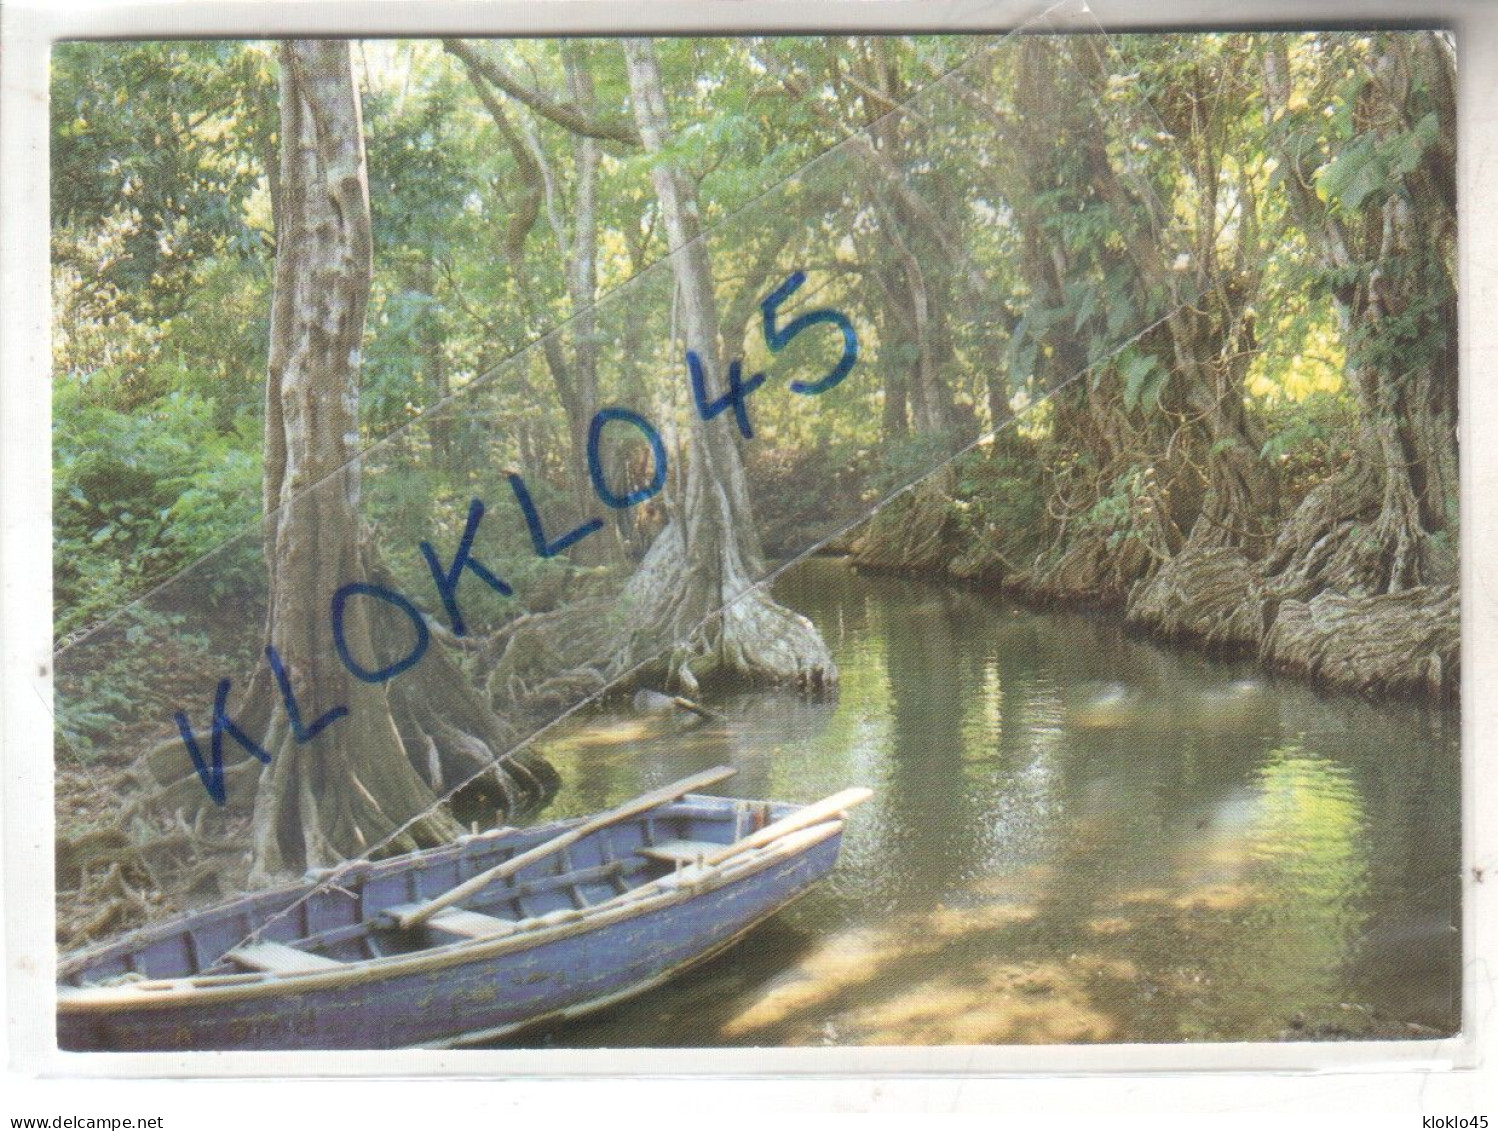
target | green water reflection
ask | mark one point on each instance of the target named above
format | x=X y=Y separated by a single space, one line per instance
x=1076 y=836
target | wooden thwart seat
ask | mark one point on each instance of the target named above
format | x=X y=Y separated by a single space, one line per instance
x=277 y=958
x=417 y=914
x=470 y=924
x=680 y=851
x=461 y=922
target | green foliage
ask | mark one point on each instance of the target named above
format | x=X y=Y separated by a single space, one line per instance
x=1309 y=439
x=1372 y=166
x=162 y=140
x=1417 y=333
x=407 y=325
x=1114 y=511
x=1000 y=495
x=1144 y=378
x=163 y=280
x=94 y=700
x=139 y=495
x=1380 y=155
x=908 y=458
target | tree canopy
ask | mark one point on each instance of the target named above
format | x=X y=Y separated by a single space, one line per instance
x=1163 y=322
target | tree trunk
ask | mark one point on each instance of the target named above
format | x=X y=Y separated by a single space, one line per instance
x=1205 y=588
x=1211 y=336
x=1402 y=378
x=353 y=785
x=575 y=378
x=439 y=424
x=580 y=261
x=635 y=527
x=919 y=298
x=897 y=331
x=1089 y=428
x=708 y=557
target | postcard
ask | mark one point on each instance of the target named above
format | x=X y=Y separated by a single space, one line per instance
x=756 y=542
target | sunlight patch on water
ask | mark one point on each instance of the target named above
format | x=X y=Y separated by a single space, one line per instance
x=900 y=984
x=992 y=1004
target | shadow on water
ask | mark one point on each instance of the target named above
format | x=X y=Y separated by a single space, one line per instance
x=1076 y=836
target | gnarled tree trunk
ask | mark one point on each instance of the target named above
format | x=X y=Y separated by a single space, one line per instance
x=1370 y=556
x=1204 y=589
x=1395 y=299
x=355 y=783
x=708 y=557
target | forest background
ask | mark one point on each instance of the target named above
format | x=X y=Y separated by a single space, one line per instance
x=1173 y=317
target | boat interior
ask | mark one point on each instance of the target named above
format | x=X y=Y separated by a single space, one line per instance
x=346 y=916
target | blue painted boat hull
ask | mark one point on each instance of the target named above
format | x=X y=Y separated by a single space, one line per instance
x=462 y=993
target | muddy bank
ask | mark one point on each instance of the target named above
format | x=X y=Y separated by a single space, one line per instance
x=1217 y=600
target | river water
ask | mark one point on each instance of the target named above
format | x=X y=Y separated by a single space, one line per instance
x=1076 y=835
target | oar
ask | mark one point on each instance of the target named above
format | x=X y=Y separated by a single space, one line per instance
x=803 y=818
x=415 y=916
x=807 y=815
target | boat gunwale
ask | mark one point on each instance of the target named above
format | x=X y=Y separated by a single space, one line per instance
x=169 y=993
x=360 y=872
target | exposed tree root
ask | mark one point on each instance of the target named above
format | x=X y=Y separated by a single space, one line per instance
x=1091 y=570
x=1309 y=608
x=318 y=805
x=1393 y=644
x=109 y=896
x=664 y=628
x=1213 y=596
x=981 y=561
x=184 y=792
x=455 y=736
x=89 y=851
x=716 y=624
x=914 y=532
x=759 y=637
x=1321 y=542
x=541 y=658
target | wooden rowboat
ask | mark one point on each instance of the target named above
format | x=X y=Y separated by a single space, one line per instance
x=463 y=943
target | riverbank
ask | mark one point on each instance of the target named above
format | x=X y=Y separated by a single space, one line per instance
x=1077 y=835
x=1217 y=600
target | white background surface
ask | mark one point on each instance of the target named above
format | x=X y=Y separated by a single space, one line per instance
x=1348 y=1087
